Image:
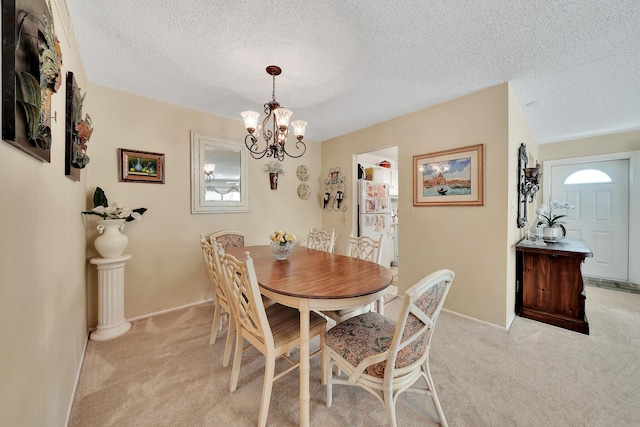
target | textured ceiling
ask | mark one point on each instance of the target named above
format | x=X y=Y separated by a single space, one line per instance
x=351 y=64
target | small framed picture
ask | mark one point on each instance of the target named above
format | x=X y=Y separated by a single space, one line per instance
x=449 y=178
x=140 y=166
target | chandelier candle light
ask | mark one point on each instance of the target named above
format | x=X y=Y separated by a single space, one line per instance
x=208 y=172
x=276 y=137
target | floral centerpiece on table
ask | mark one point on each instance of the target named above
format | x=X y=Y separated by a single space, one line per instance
x=282 y=237
x=103 y=209
x=282 y=243
x=548 y=220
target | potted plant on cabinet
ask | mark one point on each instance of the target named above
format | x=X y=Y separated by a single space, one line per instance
x=554 y=226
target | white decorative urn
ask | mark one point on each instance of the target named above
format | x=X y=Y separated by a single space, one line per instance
x=111 y=243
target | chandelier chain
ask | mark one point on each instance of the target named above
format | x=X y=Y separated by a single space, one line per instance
x=273 y=95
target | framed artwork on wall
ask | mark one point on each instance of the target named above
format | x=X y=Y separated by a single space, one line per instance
x=31 y=74
x=140 y=166
x=449 y=178
x=77 y=131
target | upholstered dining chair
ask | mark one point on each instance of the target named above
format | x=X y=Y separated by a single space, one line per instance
x=220 y=299
x=385 y=357
x=321 y=240
x=228 y=238
x=364 y=248
x=273 y=330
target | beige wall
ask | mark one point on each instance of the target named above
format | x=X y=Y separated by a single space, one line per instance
x=475 y=242
x=519 y=133
x=603 y=144
x=167 y=269
x=48 y=289
x=43 y=321
x=597 y=145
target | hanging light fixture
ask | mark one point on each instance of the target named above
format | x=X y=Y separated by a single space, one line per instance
x=276 y=137
x=208 y=172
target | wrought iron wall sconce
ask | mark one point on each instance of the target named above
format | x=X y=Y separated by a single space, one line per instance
x=334 y=186
x=528 y=185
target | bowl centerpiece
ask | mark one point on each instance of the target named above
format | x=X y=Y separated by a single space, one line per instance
x=282 y=243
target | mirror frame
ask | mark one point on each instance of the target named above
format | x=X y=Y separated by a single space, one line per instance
x=199 y=142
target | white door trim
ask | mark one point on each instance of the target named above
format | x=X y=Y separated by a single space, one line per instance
x=634 y=198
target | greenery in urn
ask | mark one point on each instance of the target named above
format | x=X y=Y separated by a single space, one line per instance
x=274 y=166
x=548 y=219
x=282 y=237
x=115 y=210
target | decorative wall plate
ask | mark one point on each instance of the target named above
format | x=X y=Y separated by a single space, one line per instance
x=304 y=191
x=303 y=173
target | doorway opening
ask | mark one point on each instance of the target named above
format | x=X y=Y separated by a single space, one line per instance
x=604 y=195
x=380 y=167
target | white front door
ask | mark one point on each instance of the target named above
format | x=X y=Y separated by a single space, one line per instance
x=601 y=215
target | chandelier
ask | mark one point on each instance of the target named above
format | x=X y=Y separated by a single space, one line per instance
x=208 y=172
x=276 y=137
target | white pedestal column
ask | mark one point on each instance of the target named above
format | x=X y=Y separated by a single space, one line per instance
x=111 y=321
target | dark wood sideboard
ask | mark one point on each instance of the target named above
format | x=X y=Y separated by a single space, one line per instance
x=549 y=286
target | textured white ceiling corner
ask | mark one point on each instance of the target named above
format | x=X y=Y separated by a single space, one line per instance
x=348 y=65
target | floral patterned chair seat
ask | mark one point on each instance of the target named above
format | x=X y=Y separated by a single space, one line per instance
x=364 y=347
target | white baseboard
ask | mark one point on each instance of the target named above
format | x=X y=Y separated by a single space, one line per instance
x=168 y=310
x=75 y=385
x=476 y=320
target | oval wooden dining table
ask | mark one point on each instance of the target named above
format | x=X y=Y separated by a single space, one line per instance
x=314 y=280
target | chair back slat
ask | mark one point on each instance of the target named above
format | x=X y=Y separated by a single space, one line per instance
x=385 y=357
x=365 y=248
x=321 y=240
x=213 y=268
x=422 y=305
x=244 y=295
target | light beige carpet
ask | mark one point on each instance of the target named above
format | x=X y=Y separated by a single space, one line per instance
x=164 y=373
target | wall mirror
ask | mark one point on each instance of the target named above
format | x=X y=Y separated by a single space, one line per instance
x=220 y=174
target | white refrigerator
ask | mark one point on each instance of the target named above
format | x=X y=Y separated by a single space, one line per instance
x=374 y=216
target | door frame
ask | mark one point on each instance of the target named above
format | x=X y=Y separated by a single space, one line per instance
x=634 y=198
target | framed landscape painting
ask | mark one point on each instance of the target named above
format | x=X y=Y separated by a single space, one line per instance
x=449 y=178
